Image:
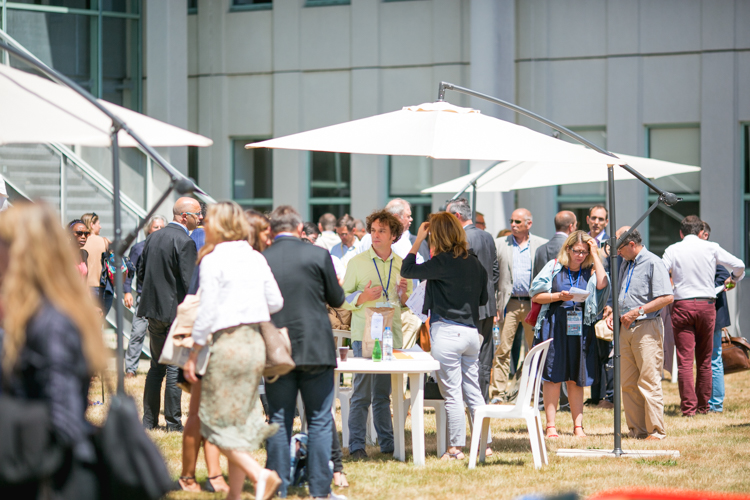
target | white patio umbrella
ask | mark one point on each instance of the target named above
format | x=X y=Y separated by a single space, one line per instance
x=37 y=110
x=511 y=175
x=438 y=130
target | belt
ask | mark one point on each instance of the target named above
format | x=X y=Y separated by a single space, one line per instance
x=520 y=298
x=710 y=300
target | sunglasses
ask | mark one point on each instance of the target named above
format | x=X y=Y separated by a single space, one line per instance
x=82 y=233
x=196 y=214
x=516 y=221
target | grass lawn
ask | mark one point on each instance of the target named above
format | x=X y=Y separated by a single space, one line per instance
x=714 y=455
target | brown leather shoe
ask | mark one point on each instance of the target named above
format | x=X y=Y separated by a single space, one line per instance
x=605 y=404
x=129 y=375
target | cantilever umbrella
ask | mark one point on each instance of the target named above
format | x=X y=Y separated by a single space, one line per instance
x=438 y=130
x=37 y=110
x=511 y=175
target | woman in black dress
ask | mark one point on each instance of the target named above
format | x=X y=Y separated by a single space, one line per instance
x=571 y=357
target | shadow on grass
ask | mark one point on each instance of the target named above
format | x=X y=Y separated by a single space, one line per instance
x=672 y=410
x=495 y=460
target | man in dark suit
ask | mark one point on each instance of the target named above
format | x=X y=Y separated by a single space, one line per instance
x=166 y=267
x=308 y=282
x=483 y=245
x=565 y=223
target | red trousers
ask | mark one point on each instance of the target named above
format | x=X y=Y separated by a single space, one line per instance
x=693 y=324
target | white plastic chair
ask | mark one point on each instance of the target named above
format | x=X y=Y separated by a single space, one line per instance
x=525 y=408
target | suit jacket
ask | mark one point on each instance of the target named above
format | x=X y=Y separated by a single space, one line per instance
x=505 y=261
x=548 y=251
x=166 y=267
x=483 y=245
x=424 y=248
x=308 y=282
x=722 y=307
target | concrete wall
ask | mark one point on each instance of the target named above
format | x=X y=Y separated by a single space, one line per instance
x=268 y=73
x=627 y=65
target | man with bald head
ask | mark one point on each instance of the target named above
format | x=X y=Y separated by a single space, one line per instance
x=166 y=267
x=515 y=255
x=565 y=223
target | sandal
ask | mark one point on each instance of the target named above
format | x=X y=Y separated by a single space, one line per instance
x=551 y=436
x=341 y=481
x=213 y=489
x=185 y=485
x=579 y=427
x=453 y=456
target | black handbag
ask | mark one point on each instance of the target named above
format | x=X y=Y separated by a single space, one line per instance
x=28 y=448
x=132 y=464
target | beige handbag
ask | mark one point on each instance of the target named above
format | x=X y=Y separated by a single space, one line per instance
x=278 y=351
x=603 y=332
x=176 y=350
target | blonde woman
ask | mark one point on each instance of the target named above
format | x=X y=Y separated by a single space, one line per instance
x=52 y=342
x=572 y=355
x=238 y=291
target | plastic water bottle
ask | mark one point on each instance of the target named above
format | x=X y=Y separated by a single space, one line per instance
x=496 y=334
x=388 y=344
x=377 y=354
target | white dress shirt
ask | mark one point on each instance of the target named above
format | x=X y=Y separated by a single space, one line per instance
x=327 y=240
x=401 y=247
x=237 y=288
x=692 y=263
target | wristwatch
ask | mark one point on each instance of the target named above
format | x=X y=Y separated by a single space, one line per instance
x=641 y=312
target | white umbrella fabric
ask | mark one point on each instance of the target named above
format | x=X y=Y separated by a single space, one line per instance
x=37 y=110
x=512 y=175
x=438 y=130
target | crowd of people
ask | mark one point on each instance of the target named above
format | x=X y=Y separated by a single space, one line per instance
x=249 y=269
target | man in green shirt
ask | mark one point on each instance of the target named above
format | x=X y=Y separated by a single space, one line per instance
x=373 y=279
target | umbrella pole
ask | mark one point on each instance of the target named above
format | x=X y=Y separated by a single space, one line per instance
x=665 y=197
x=119 y=250
x=613 y=272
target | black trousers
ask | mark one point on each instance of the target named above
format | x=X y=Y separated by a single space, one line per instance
x=486 y=354
x=157 y=332
x=603 y=386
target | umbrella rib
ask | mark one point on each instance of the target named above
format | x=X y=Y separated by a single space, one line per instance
x=18 y=84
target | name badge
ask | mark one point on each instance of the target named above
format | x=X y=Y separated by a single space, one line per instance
x=575 y=323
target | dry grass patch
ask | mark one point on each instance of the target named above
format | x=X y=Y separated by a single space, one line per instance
x=715 y=454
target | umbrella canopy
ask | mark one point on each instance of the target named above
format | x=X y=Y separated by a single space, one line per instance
x=36 y=110
x=511 y=175
x=438 y=130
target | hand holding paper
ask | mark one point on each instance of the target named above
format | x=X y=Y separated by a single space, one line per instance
x=579 y=294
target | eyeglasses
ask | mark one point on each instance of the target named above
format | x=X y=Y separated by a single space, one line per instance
x=195 y=214
x=516 y=221
x=579 y=252
x=81 y=233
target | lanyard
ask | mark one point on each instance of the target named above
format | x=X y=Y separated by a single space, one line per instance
x=630 y=276
x=385 y=288
x=570 y=277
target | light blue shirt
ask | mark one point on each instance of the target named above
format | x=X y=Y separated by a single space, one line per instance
x=521 y=269
x=340 y=250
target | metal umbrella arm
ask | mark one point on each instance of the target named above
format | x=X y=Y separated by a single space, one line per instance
x=666 y=198
x=178 y=182
x=473 y=183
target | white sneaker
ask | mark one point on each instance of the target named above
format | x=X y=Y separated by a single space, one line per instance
x=334 y=496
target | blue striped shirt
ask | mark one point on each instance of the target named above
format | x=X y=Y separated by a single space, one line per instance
x=521 y=269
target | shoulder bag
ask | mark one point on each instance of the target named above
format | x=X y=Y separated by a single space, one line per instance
x=531 y=318
x=734 y=353
x=278 y=351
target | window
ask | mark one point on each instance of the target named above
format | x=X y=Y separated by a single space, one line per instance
x=252 y=176
x=330 y=184
x=99 y=50
x=193 y=163
x=407 y=177
x=679 y=144
x=579 y=198
x=192 y=6
x=251 y=5
x=324 y=3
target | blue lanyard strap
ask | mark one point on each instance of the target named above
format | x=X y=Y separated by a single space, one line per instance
x=385 y=288
x=570 y=277
x=630 y=276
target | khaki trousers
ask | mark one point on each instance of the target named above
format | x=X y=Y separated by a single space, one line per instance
x=516 y=311
x=410 y=324
x=642 y=361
